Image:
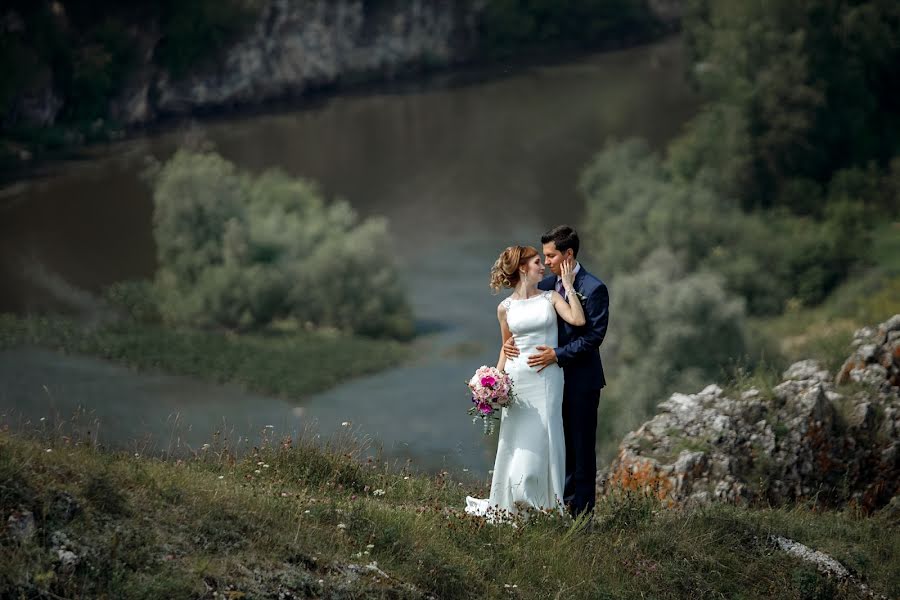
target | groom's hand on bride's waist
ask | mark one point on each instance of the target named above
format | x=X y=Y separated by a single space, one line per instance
x=545 y=357
x=510 y=349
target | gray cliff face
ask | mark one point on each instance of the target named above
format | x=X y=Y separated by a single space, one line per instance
x=811 y=437
x=299 y=46
x=294 y=46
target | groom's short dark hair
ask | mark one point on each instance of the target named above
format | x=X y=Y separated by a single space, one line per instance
x=564 y=237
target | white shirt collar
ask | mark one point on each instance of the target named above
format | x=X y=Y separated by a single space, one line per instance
x=577 y=268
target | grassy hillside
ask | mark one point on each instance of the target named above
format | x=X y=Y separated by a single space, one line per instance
x=293 y=520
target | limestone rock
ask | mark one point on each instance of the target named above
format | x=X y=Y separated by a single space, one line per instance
x=20 y=525
x=806 y=439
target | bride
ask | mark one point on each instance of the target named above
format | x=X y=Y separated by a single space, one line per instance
x=529 y=470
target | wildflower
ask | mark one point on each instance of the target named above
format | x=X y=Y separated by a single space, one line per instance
x=43 y=418
x=378 y=492
x=259 y=463
x=407 y=477
x=49 y=450
x=265 y=466
x=257 y=471
x=205 y=446
x=305 y=512
x=221 y=477
x=342 y=526
x=137 y=454
x=270 y=427
x=370 y=546
x=345 y=424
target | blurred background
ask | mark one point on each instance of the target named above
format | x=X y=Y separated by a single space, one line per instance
x=236 y=215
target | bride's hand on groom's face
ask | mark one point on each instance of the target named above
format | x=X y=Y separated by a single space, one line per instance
x=567 y=268
x=510 y=349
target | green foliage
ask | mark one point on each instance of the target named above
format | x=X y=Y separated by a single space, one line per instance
x=195 y=30
x=636 y=204
x=508 y=26
x=798 y=91
x=137 y=300
x=676 y=330
x=241 y=252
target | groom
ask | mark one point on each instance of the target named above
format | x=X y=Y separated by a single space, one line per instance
x=578 y=355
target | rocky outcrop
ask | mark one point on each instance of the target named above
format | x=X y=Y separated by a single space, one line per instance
x=812 y=436
x=298 y=46
x=293 y=47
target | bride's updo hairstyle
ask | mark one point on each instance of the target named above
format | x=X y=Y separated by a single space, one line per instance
x=505 y=272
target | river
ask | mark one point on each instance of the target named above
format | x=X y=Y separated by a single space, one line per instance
x=462 y=165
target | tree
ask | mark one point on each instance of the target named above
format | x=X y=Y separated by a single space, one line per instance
x=241 y=252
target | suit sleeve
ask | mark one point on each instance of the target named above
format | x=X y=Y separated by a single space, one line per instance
x=597 y=311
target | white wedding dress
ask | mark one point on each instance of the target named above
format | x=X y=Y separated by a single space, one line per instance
x=529 y=470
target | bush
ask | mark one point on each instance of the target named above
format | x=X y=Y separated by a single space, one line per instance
x=509 y=25
x=241 y=252
x=194 y=30
x=676 y=330
x=137 y=300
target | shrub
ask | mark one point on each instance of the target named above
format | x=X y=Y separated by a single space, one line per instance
x=676 y=330
x=241 y=252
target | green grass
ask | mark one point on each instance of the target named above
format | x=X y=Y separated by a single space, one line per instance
x=290 y=518
x=291 y=364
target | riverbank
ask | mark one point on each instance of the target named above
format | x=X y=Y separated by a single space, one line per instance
x=292 y=521
x=292 y=365
x=237 y=56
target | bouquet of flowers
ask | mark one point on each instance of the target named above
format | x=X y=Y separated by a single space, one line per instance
x=491 y=390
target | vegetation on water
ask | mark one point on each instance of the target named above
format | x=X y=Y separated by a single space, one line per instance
x=260 y=282
x=291 y=519
x=290 y=363
x=767 y=231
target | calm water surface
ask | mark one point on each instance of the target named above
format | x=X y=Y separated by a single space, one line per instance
x=461 y=171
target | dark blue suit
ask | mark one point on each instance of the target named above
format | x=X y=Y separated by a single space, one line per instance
x=579 y=356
